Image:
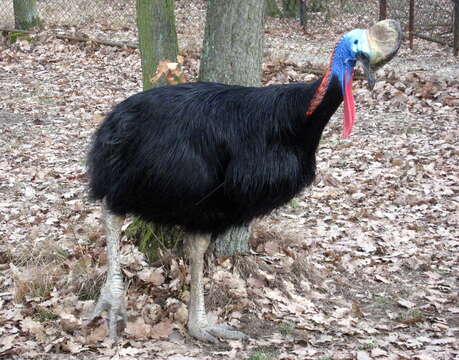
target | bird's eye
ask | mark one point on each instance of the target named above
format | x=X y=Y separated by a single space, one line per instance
x=356 y=42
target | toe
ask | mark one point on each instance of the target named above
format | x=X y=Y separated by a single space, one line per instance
x=203 y=335
x=227 y=332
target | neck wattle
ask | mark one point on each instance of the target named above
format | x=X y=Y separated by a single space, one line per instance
x=320 y=92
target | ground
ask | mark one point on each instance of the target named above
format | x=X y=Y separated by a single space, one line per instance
x=362 y=265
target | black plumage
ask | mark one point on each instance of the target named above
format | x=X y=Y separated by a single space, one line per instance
x=207 y=156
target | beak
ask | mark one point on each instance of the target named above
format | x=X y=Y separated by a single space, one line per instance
x=367 y=69
x=383 y=39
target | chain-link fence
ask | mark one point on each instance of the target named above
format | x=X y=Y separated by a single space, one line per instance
x=432 y=19
x=113 y=13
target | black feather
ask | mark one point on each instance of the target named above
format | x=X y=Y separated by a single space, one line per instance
x=208 y=156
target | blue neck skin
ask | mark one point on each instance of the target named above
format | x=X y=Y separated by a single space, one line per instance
x=343 y=61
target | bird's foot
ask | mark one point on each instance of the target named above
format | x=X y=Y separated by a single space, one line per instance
x=112 y=299
x=209 y=333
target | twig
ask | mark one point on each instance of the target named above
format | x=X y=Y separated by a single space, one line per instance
x=15 y=31
x=103 y=42
x=428 y=38
x=357 y=74
x=78 y=38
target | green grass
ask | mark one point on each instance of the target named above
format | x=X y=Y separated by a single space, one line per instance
x=151 y=238
x=15 y=36
x=44 y=315
x=261 y=355
x=411 y=131
x=294 y=203
x=383 y=300
x=367 y=346
x=286 y=328
x=412 y=316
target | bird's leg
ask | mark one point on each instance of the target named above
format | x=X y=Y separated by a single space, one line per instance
x=198 y=325
x=112 y=294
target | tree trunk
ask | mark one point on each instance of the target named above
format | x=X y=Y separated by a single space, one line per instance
x=232 y=54
x=157 y=41
x=271 y=8
x=411 y=24
x=304 y=14
x=291 y=8
x=382 y=9
x=157 y=36
x=456 y=28
x=25 y=14
x=233 y=42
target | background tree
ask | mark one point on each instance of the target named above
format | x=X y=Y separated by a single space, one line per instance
x=25 y=14
x=232 y=54
x=304 y=14
x=157 y=36
x=157 y=42
x=456 y=28
x=382 y=9
x=233 y=42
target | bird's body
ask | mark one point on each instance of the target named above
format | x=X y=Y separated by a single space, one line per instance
x=208 y=156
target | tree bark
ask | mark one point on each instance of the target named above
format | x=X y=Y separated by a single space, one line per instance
x=157 y=41
x=456 y=28
x=382 y=9
x=411 y=24
x=25 y=14
x=232 y=54
x=304 y=14
x=157 y=36
x=233 y=42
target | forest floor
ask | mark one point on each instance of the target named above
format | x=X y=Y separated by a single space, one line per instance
x=362 y=265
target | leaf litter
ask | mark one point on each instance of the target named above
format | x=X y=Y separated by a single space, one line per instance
x=363 y=265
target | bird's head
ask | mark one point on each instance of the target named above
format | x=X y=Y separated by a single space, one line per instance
x=373 y=48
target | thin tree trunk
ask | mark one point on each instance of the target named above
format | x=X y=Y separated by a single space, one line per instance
x=25 y=14
x=232 y=54
x=456 y=28
x=411 y=24
x=382 y=9
x=157 y=36
x=304 y=14
x=157 y=41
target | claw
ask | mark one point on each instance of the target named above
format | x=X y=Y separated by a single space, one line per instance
x=210 y=333
x=112 y=299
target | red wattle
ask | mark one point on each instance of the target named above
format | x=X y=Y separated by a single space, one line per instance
x=349 y=104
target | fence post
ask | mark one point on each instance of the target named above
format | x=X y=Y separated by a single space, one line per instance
x=303 y=15
x=411 y=24
x=456 y=29
x=382 y=9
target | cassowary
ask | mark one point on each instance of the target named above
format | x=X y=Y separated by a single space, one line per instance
x=209 y=156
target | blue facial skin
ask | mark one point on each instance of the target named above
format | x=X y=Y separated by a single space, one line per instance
x=352 y=46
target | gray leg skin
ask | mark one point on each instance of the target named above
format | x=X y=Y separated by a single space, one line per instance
x=198 y=325
x=112 y=294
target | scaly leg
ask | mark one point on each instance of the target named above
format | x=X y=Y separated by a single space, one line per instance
x=198 y=325
x=112 y=294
